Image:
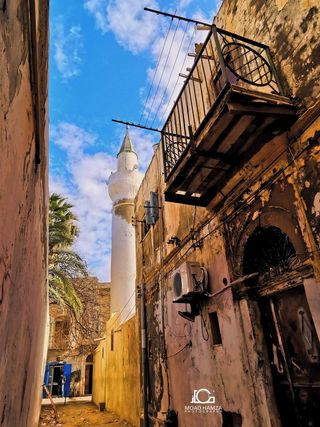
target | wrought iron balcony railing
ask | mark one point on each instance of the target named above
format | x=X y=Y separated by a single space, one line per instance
x=223 y=60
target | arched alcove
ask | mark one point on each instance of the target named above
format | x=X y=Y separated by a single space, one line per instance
x=268 y=249
x=89 y=358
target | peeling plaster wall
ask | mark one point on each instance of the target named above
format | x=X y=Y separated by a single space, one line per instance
x=279 y=187
x=23 y=217
x=291 y=29
x=225 y=369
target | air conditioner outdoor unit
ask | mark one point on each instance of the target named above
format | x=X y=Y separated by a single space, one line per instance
x=188 y=281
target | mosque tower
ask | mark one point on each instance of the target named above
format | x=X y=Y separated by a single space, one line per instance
x=123 y=186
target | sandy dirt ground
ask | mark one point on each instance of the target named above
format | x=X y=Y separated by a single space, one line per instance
x=80 y=414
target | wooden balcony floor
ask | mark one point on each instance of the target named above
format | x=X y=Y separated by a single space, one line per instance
x=237 y=126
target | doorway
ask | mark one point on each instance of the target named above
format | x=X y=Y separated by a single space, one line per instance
x=291 y=339
x=55 y=374
x=88 y=375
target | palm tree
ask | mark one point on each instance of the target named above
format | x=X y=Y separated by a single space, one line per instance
x=64 y=263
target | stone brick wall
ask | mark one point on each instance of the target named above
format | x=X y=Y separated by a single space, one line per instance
x=289 y=28
x=23 y=209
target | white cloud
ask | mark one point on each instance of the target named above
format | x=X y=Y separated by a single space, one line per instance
x=174 y=60
x=182 y=4
x=134 y=29
x=87 y=191
x=84 y=183
x=98 y=8
x=67 y=45
x=73 y=139
x=138 y=30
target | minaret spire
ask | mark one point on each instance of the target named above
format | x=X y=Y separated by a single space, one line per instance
x=127 y=145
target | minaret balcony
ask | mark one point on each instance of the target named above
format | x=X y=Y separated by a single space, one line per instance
x=230 y=105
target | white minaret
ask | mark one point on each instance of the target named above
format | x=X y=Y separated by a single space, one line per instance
x=123 y=186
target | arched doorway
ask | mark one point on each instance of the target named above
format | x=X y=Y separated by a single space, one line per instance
x=88 y=375
x=290 y=335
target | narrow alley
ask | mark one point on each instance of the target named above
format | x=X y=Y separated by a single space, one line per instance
x=160 y=213
x=79 y=414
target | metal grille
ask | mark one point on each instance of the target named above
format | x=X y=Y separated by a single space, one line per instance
x=223 y=58
x=247 y=64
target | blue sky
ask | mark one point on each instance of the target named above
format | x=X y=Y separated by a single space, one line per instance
x=103 y=57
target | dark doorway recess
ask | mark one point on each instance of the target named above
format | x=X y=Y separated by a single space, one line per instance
x=290 y=336
x=88 y=375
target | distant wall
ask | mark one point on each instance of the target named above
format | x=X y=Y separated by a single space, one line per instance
x=23 y=214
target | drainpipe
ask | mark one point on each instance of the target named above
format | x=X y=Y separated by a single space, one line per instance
x=144 y=359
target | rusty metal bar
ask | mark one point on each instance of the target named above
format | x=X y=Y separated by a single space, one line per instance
x=143 y=127
x=174 y=16
x=220 y=54
x=201 y=91
x=274 y=71
x=205 y=80
x=191 y=103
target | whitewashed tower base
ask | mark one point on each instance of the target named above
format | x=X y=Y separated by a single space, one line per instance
x=123 y=186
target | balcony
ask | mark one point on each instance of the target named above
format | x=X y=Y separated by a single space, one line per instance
x=231 y=104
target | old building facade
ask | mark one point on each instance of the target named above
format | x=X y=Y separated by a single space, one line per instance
x=234 y=339
x=72 y=341
x=23 y=208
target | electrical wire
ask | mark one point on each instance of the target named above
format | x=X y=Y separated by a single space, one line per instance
x=155 y=72
x=119 y=314
x=170 y=75
x=189 y=344
x=186 y=335
x=163 y=70
x=236 y=212
x=182 y=67
x=204 y=328
x=129 y=313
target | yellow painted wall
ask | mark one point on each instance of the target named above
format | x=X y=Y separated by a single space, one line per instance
x=99 y=373
x=116 y=379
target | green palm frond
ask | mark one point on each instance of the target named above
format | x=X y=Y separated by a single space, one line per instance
x=62 y=222
x=64 y=263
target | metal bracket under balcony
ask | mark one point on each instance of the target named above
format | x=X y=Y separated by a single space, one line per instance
x=235 y=130
x=230 y=105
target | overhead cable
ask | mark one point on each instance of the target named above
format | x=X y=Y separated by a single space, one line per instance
x=163 y=70
x=170 y=76
x=155 y=72
x=176 y=83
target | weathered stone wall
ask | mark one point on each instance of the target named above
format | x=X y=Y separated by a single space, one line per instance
x=291 y=29
x=238 y=369
x=278 y=187
x=224 y=369
x=23 y=214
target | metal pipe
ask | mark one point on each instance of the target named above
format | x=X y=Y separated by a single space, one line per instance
x=144 y=358
x=232 y=284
